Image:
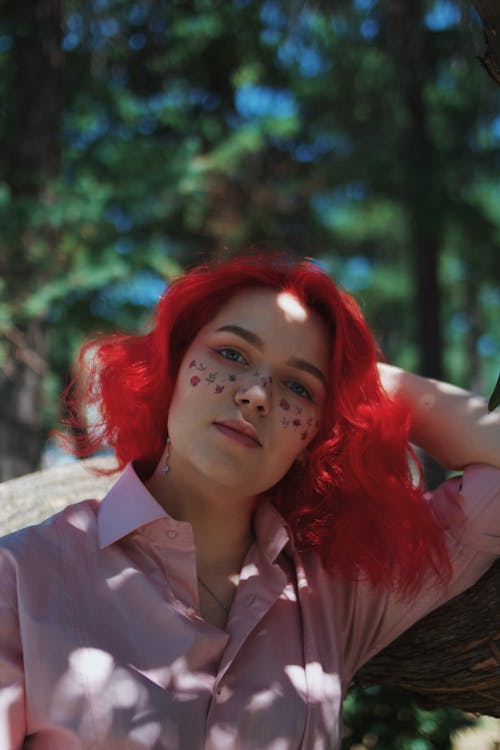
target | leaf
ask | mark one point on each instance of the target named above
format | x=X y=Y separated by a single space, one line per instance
x=495 y=396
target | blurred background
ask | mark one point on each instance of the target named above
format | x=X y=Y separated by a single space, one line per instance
x=139 y=138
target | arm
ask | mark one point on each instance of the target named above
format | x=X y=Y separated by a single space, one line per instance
x=449 y=423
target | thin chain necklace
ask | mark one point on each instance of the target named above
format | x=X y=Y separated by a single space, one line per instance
x=225 y=607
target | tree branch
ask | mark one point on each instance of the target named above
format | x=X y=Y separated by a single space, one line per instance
x=489 y=12
x=452 y=656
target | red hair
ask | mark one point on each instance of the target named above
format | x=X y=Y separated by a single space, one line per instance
x=355 y=501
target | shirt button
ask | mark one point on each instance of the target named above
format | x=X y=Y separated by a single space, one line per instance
x=171 y=534
x=222 y=693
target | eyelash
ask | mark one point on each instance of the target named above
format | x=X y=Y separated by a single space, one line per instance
x=289 y=383
x=305 y=394
x=233 y=351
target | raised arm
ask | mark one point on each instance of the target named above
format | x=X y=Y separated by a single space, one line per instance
x=449 y=423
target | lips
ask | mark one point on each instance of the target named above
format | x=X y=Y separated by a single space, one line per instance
x=240 y=431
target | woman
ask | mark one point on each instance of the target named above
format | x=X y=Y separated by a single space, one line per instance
x=265 y=537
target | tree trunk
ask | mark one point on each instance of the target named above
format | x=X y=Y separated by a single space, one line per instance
x=32 y=158
x=21 y=376
x=450 y=658
x=489 y=12
x=474 y=374
x=406 y=42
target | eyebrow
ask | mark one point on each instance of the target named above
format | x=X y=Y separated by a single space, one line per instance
x=303 y=364
x=252 y=338
x=256 y=341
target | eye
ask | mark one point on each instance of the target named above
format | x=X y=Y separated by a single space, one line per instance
x=298 y=389
x=233 y=355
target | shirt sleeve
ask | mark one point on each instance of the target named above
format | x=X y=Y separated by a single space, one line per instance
x=12 y=695
x=468 y=508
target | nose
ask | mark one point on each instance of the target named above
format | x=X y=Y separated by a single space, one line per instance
x=253 y=397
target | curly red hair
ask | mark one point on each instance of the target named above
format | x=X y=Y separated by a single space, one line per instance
x=355 y=501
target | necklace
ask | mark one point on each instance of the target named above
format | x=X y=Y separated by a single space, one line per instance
x=225 y=607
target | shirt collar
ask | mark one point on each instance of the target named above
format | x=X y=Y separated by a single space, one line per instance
x=271 y=530
x=127 y=506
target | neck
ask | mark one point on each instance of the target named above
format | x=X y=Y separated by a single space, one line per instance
x=221 y=522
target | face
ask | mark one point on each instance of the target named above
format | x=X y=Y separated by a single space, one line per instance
x=249 y=392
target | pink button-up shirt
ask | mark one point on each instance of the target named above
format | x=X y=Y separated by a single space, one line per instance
x=102 y=645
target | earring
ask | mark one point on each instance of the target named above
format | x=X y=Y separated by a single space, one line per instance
x=166 y=466
x=302 y=460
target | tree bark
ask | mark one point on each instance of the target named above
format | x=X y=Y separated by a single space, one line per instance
x=31 y=158
x=450 y=658
x=21 y=376
x=406 y=42
x=489 y=12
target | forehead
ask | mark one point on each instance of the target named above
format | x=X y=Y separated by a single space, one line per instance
x=280 y=320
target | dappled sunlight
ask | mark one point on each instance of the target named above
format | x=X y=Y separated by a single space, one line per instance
x=183 y=678
x=249 y=570
x=295 y=674
x=321 y=684
x=294 y=310
x=265 y=698
x=120 y=578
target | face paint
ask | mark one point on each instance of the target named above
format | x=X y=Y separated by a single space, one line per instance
x=216 y=384
x=213 y=376
x=199 y=365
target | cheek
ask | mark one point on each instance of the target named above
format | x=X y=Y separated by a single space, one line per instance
x=203 y=375
x=300 y=423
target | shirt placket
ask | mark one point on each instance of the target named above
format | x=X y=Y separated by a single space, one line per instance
x=254 y=598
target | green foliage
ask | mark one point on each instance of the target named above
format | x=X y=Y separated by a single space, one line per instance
x=385 y=719
x=192 y=129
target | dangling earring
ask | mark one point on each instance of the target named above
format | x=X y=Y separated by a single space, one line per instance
x=166 y=466
x=302 y=460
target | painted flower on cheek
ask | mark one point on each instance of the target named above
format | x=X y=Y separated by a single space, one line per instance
x=219 y=388
x=194 y=380
x=284 y=404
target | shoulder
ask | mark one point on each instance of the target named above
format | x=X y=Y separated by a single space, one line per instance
x=367 y=618
x=36 y=544
x=468 y=508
